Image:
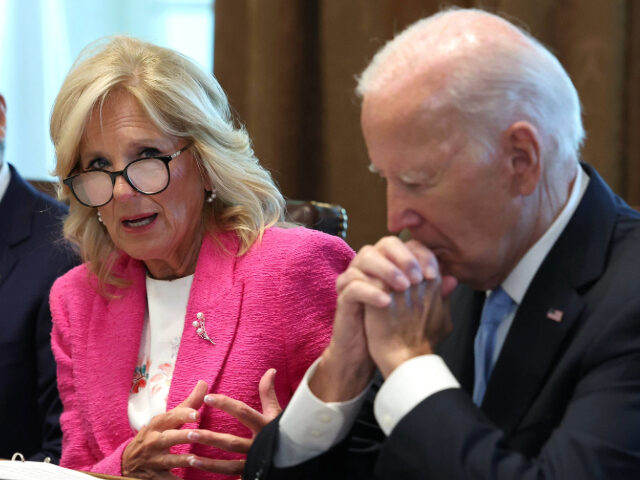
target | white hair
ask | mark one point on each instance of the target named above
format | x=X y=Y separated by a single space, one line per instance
x=491 y=80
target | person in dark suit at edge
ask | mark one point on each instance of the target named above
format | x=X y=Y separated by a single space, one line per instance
x=31 y=258
x=476 y=129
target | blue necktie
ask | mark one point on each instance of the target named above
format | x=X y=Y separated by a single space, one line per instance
x=497 y=307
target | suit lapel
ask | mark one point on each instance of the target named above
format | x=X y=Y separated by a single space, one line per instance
x=8 y=261
x=537 y=335
x=16 y=212
x=113 y=343
x=531 y=348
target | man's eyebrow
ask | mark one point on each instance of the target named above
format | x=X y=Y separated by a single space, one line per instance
x=418 y=176
x=410 y=176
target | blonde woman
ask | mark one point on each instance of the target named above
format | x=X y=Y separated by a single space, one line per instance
x=189 y=291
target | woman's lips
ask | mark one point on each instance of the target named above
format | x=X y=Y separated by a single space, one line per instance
x=139 y=221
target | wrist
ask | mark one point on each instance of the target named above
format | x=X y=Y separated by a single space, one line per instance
x=389 y=358
x=340 y=377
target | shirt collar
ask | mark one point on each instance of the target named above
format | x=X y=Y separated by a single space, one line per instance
x=517 y=283
x=5 y=176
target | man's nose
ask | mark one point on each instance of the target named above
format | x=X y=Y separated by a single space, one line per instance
x=400 y=212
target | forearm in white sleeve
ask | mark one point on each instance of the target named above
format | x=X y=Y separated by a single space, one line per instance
x=407 y=386
x=309 y=426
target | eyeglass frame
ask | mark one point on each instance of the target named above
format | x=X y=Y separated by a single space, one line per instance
x=123 y=173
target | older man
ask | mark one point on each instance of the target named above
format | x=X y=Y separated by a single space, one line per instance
x=476 y=129
x=31 y=258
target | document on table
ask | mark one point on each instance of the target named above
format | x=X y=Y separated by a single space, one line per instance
x=38 y=470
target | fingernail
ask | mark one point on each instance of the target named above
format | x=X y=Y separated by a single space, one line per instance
x=383 y=299
x=193 y=436
x=401 y=281
x=193 y=415
x=209 y=399
x=273 y=371
x=430 y=273
x=415 y=274
x=194 y=462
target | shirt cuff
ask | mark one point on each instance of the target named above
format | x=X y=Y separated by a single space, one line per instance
x=309 y=426
x=403 y=390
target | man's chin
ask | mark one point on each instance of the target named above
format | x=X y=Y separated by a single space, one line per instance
x=450 y=269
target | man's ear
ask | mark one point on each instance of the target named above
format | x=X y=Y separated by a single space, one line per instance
x=3 y=118
x=521 y=142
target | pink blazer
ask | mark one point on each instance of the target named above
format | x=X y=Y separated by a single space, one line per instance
x=271 y=307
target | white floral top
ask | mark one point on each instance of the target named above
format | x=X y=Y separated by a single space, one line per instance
x=163 y=325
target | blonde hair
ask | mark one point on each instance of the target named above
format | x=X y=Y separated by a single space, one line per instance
x=182 y=101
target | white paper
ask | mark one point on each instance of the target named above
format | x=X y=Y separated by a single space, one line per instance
x=17 y=470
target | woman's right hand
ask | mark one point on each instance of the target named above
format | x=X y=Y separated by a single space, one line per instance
x=147 y=456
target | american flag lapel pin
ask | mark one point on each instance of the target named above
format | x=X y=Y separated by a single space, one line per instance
x=555 y=314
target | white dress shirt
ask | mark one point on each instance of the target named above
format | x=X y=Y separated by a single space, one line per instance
x=309 y=426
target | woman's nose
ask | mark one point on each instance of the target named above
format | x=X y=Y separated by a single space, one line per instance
x=122 y=190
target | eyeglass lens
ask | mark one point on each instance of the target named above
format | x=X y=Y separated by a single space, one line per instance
x=148 y=175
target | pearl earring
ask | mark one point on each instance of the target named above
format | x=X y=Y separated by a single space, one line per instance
x=211 y=196
x=99 y=217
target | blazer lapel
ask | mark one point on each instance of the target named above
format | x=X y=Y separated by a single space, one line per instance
x=113 y=343
x=216 y=298
x=551 y=307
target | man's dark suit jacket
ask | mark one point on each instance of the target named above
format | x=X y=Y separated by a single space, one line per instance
x=563 y=401
x=31 y=258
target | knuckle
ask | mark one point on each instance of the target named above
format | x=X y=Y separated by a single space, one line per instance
x=388 y=241
x=343 y=278
x=347 y=292
x=364 y=254
x=383 y=241
x=245 y=410
x=350 y=274
x=162 y=419
x=162 y=438
x=163 y=462
x=365 y=249
x=235 y=444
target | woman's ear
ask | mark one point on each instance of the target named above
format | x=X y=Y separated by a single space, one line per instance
x=522 y=145
x=204 y=174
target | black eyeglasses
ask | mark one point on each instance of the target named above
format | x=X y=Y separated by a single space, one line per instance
x=149 y=175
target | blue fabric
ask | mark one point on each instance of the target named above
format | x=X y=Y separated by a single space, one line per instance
x=497 y=307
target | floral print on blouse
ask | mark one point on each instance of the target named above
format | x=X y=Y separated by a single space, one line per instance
x=159 y=345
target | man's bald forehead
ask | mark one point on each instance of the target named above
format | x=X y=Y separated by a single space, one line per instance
x=432 y=45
